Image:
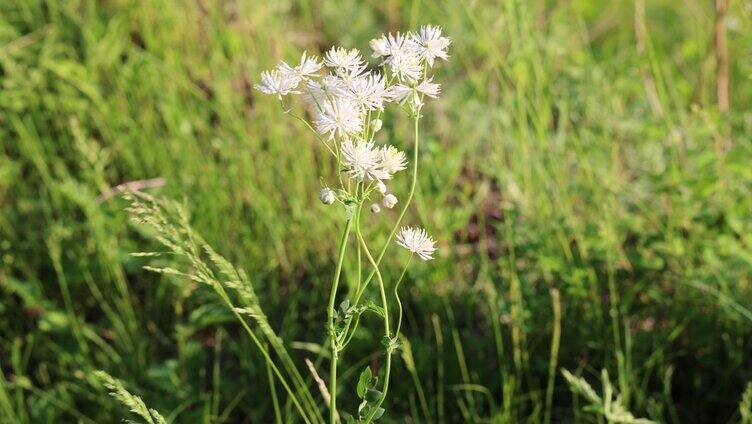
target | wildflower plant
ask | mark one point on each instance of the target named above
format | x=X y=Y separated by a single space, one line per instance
x=345 y=98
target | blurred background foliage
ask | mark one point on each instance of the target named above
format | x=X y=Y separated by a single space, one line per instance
x=581 y=156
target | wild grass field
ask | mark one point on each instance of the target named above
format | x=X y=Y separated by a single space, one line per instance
x=587 y=174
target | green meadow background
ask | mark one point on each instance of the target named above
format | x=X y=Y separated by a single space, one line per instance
x=587 y=173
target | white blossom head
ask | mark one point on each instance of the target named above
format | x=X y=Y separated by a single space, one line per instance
x=400 y=54
x=381 y=187
x=389 y=201
x=308 y=66
x=376 y=124
x=363 y=161
x=413 y=95
x=277 y=82
x=417 y=241
x=406 y=95
x=380 y=46
x=344 y=61
x=369 y=91
x=429 y=88
x=327 y=196
x=405 y=65
x=317 y=92
x=392 y=159
x=375 y=208
x=339 y=117
x=430 y=44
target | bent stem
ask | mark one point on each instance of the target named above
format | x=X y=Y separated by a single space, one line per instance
x=330 y=324
x=413 y=184
x=387 y=331
x=396 y=296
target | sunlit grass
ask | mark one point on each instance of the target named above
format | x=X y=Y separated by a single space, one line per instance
x=568 y=151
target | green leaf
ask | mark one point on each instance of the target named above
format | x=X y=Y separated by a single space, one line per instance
x=372 y=395
x=344 y=306
x=364 y=382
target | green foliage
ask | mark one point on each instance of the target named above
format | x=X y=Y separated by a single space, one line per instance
x=171 y=225
x=547 y=164
x=609 y=407
x=132 y=402
x=745 y=406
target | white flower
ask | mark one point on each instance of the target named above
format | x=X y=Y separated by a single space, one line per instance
x=392 y=160
x=309 y=65
x=363 y=161
x=417 y=241
x=412 y=95
x=428 y=88
x=376 y=125
x=339 y=117
x=375 y=208
x=400 y=54
x=380 y=46
x=369 y=91
x=389 y=201
x=401 y=92
x=344 y=60
x=327 y=196
x=398 y=43
x=318 y=92
x=405 y=94
x=430 y=44
x=381 y=187
x=405 y=64
x=279 y=83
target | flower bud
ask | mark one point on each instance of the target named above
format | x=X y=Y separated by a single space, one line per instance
x=375 y=208
x=327 y=196
x=381 y=187
x=376 y=124
x=389 y=201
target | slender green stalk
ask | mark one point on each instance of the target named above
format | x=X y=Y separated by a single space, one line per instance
x=553 y=360
x=396 y=296
x=330 y=325
x=408 y=200
x=387 y=331
x=223 y=294
x=5 y=403
x=438 y=334
x=615 y=314
x=273 y=391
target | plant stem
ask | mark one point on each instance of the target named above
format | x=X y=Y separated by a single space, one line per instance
x=553 y=359
x=223 y=294
x=387 y=331
x=330 y=324
x=413 y=184
x=396 y=296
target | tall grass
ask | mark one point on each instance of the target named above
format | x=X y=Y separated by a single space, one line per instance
x=582 y=148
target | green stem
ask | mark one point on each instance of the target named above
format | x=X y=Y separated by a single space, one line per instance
x=553 y=359
x=396 y=296
x=330 y=326
x=223 y=294
x=387 y=331
x=413 y=184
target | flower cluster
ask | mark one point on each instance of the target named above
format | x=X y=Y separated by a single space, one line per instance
x=342 y=95
x=345 y=96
